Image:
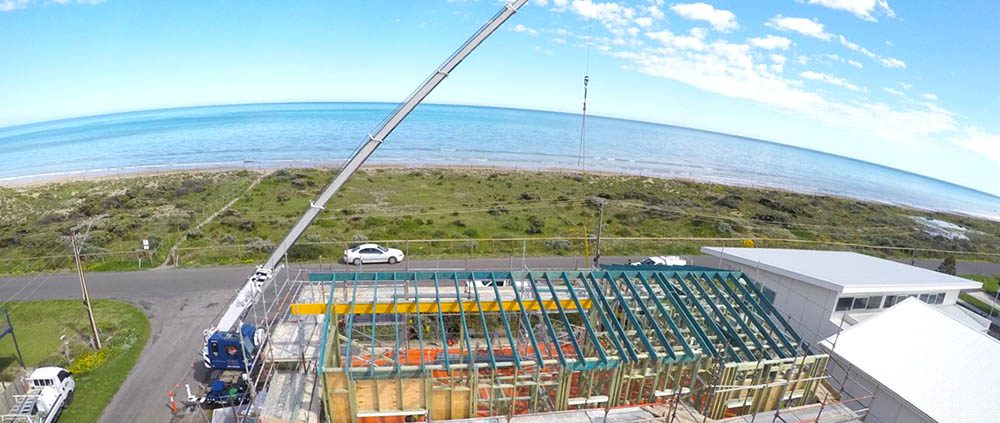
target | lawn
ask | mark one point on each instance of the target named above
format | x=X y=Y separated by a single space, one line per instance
x=39 y=325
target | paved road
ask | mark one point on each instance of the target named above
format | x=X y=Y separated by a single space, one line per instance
x=181 y=303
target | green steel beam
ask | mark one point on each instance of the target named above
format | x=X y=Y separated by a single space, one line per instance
x=688 y=354
x=350 y=324
x=692 y=323
x=465 y=326
x=596 y=304
x=669 y=349
x=395 y=316
x=420 y=327
x=586 y=322
x=631 y=317
x=754 y=318
x=548 y=322
x=371 y=367
x=616 y=324
x=444 y=336
x=506 y=321
x=792 y=350
x=527 y=322
x=486 y=330
x=711 y=282
x=733 y=336
x=569 y=328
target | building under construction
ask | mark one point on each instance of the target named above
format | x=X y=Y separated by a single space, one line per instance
x=405 y=346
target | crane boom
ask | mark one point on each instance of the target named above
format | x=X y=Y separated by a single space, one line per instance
x=257 y=282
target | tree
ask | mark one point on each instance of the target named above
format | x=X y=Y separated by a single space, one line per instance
x=947 y=266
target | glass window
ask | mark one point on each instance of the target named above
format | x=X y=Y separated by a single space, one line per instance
x=890 y=300
x=924 y=297
x=769 y=294
x=859 y=303
x=63 y=375
x=844 y=303
x=939 y=299
x=874 y=302
x=383 y=249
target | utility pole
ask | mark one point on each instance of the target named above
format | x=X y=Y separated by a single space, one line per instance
x=600 y=226
x=86 y=294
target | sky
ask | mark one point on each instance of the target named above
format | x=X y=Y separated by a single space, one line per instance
x=907 y=84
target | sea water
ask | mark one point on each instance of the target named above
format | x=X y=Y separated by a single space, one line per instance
x=307 y=134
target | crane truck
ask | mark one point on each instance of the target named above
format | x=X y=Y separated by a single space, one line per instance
x=231 y=345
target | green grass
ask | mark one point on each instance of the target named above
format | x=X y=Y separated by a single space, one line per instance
x=469 y=208
x=38 y=326
x=982 y=306
x=990 y=283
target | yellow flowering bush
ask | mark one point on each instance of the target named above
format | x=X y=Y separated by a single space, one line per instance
x=88 y=361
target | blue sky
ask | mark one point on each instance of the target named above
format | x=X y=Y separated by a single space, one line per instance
x=910 y=85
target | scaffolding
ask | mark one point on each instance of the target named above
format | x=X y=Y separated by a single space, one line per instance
x=454 y=345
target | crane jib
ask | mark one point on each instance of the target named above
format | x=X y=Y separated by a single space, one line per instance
x=263 y=276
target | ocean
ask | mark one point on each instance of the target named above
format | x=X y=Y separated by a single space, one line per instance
x=309 y=134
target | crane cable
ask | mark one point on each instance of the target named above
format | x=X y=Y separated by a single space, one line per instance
x=582 y=158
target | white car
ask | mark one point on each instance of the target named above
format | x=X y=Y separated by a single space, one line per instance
x=661 y=261
x=372 y=253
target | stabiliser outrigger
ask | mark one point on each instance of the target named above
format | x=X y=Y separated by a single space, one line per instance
x=231 y=345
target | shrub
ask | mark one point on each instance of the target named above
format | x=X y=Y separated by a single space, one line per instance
x=88 y=361
x=299 y=252
x=195 y=234
x=723 y=228
x=283 y=196
x=358 y=239
x=558 y=245
x=529 y=196
x=458 y=223
x=535 y=225
x=498 y=210
x=313 y=238
x=228 y=239
x=259 y=245
x=471 y=233
x=121 y=224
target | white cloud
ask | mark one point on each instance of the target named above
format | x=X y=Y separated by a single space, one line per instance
x=807 y=27
x=832 y=80
x=863 y=9
x=814 y=29
x=541 y=3
x=559 y=41
x=10 y=5
x=980 y=141
x=905 y=85
x=524 y=30
x=894 y=91
x=889 y=62
x=678 y=42
x=644 y=21
x=721 y=20
x=856 y=64
x=771 y=42
x=608 y=13
x=802 y=60
x=930 y=96
x=655 y=12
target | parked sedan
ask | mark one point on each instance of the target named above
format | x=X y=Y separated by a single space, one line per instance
x=372 y=253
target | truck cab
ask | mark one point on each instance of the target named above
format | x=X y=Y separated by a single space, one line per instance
x=226 y=350
x=49 y=390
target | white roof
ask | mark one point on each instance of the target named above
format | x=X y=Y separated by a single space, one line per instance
x=843 y=271
x=928 y=359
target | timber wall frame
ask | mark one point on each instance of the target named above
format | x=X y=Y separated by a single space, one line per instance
x=448 y=345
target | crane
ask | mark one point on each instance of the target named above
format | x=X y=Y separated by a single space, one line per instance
x=226 y=346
